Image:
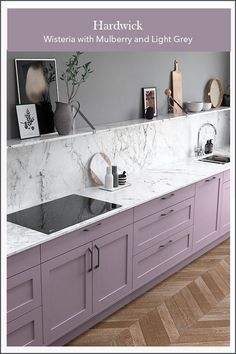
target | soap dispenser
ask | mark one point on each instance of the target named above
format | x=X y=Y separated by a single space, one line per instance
x=207 y=147
x=210 y=146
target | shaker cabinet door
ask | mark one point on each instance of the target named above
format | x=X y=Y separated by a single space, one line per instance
x=206 y=217
x=67 y=292
x=225 y=209
x=112 y=274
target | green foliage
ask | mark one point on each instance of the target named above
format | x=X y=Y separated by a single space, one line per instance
x=75 y=74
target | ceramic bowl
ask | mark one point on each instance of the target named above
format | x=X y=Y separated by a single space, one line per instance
x=206 y=106
x=194 y=106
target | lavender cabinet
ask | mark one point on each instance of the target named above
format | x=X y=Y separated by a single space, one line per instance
x=152 y=262
x=26 y=330
x=67 y=292
x=24 y=312
x=23 y=292
x=112 y=273
x=225 y=208
x=206 y=217
x=84 y=281
x=166 y=201
x=158 y=226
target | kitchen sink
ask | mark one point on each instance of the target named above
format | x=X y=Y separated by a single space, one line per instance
x=216 y=159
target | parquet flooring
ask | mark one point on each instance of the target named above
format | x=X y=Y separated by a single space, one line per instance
x=190 y=308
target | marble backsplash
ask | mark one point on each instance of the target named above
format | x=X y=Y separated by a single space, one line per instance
x=42 y=172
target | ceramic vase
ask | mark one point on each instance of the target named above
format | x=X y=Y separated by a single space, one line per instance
x=63 y=119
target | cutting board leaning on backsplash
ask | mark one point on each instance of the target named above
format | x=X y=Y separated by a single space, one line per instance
x=177 y=87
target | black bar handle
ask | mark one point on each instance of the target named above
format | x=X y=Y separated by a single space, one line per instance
x=90 y=228
x=91 y=259
x=98 y=264
x=210 y=179
x=168 y=196
x=169 y=212
x=166 y=244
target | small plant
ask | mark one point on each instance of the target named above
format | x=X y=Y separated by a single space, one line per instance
x=74 y=75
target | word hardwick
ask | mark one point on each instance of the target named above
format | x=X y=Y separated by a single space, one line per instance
x=99 y=25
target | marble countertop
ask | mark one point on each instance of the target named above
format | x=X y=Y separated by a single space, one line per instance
x=148 y=185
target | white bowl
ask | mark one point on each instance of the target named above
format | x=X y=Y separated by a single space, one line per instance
x=194 y=106
x=206 y=106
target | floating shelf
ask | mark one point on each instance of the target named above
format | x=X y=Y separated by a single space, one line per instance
x=17 y=143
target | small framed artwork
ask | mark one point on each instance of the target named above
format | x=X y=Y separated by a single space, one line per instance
x=149 y=101
x=27 y=120
x=37 y=84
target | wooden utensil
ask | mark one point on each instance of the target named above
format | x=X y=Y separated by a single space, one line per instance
x=177 y=87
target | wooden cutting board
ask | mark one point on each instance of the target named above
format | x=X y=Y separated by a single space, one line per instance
x=177 y=87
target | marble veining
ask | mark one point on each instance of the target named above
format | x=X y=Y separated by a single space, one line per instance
x=150 y=184
x=41 y=172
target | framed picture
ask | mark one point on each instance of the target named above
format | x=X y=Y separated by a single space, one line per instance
x=27 y=120
x=149 y=100
x=37 y=84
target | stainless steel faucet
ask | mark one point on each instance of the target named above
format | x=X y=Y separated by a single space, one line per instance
x=198 y=150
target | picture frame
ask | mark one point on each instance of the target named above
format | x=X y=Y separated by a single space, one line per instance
x=27 y=121
x=149 y=100
x=37 y=83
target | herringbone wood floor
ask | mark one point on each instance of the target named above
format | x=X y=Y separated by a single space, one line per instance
x=190 y=308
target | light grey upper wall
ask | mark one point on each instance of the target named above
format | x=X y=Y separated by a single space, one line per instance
x=113 y=91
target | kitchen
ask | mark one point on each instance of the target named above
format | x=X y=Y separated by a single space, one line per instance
x=173 y=208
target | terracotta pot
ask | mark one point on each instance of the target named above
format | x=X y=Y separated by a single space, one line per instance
x=63 y=119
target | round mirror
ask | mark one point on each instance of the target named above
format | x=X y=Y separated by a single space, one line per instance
x=214 y=92
x=98 y=167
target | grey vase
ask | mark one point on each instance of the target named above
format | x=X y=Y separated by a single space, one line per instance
x=63 y=119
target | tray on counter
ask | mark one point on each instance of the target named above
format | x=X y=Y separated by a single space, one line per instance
x=116 y=188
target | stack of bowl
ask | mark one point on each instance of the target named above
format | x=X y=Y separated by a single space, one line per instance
x=196 y=106
x=122 y=178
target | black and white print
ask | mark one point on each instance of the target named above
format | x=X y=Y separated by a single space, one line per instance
x=27 y=121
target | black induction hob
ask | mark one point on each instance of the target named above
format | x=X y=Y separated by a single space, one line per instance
x=60 y=213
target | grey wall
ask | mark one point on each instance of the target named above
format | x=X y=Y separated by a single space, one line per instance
x=113 y=91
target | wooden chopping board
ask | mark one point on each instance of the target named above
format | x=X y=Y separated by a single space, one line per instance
x=177 y=87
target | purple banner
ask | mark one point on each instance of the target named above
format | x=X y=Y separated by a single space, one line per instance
x=118 y=29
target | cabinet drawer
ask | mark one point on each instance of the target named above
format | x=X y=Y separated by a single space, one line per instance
x=226 y=176
x=163 y=202
x=23 y=260
x=26 y=330
x=23 y=293
x=156 y=260
x=87 y=234
x=155 y=228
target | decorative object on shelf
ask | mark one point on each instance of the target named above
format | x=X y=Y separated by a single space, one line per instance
x=115 y=176
x=214 y=92
x=63 y=119
x=115 y=189
x=97 y=167
x=167 y=92
x=149 y=100
x=37 y=83
x=149 y=114
x=27 y=120
x=206 y=106
x=226 y=97
x=194 y=106
x=177 y=88
x=122 y=178
x=74 y=76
